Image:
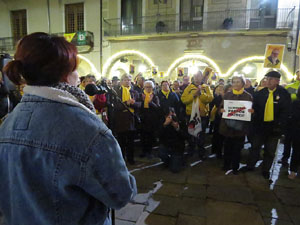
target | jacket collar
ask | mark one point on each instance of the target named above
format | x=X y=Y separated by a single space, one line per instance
x=55 y=94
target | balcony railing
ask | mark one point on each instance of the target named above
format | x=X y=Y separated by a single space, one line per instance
x=210 y=21
x=84 y=40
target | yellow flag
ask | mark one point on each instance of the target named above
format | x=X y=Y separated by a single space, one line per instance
x=69 y=36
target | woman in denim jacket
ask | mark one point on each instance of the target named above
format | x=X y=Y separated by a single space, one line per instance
x=59 y=163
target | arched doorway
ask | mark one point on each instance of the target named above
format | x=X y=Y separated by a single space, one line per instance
x=190 y=64
x=129 y=61
x=252 y=67
x=86 y=67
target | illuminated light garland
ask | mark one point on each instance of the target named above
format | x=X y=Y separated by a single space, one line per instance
x=244 y=60
x=189 y=57
x=94 y=70
x=111 y=59
x=118 y=66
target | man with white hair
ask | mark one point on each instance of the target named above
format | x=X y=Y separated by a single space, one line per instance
x=198 y=90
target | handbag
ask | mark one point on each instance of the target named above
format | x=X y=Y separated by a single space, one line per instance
x=194 y=125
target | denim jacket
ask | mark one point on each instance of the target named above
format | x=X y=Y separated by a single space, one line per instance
x=59 y=164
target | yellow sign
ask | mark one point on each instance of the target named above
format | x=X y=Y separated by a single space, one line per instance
x=69 y=36
x=161 y=74
x=154 y=70
x=273 y=56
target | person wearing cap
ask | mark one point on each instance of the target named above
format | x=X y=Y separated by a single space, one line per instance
x=115 y=82
x=271 y=109
x=292 y=89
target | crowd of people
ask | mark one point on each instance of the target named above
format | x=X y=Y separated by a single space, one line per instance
x=165 y=111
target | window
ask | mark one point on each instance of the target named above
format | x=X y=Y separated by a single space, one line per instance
x=74 y=17
x=19 y=24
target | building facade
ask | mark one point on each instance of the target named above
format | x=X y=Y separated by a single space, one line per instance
x=163 y=39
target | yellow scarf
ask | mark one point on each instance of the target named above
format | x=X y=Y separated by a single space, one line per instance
x=147 y=99
x=269 y=108
x=235 y=92
x=126 y=95
x=166 y=93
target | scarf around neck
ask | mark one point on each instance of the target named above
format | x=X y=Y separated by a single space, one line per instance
x=64 y=93
x=235 y=92
x=166 y=93
x=147 y=99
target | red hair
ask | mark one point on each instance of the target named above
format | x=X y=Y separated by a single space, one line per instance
x=42 y=59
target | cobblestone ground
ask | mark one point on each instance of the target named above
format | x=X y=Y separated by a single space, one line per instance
x=202 y=194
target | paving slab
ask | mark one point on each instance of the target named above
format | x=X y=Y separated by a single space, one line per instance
x=227 y=180
x=229 y=213
x=288 y=196
x=170 y=189
x=195 y=191
x=256 y=181
x=272 y=210
x=191 y=206
x=164 y=205
x=294 y=213
x=190 y=220
x=270 y=221
x=239 y=194
x=154 y=219
x=196 y=178
x=262 y=195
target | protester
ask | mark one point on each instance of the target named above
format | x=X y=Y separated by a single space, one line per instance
x=139 y=86
x=234 y=131
x=215 y=116
x=198 y=91
x=172 y=138
x=295 y=130
x=167 y=98
x=124 y=117
x=185 y=82
x=262 y=84
x=115 y=81
x=248 y=87
x=271 y=110
x=149 y=113
x=292 y=89
x=59 y=164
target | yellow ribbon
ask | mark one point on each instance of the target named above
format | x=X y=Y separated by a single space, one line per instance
x=147 y=99
x=269 y=109
x=166 y=93
x=236 y=92
x=126 y=95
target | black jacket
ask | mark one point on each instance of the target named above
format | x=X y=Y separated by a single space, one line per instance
x=172 y=101
x=282 y=104
x=295 y=124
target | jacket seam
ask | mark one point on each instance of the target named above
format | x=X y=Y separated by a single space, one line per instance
x=50 y=148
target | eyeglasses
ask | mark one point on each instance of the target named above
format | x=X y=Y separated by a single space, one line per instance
x=147 y=87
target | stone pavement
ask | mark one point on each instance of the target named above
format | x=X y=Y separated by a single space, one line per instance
x=202 y=194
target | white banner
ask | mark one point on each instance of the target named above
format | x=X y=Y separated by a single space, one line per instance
x=237 y=110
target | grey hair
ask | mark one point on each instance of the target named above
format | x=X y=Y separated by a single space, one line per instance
x=125 y=75
x=149 y=82
x=239 y=76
